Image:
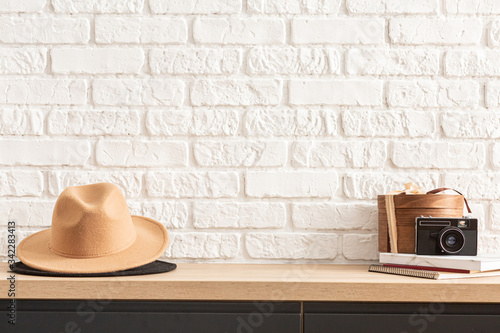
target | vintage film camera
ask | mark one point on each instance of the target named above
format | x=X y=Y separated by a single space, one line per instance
x=446 y=236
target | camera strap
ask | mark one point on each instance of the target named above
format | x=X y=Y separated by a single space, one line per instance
x=441 y=189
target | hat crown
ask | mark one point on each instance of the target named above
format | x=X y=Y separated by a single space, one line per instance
x=91 y=221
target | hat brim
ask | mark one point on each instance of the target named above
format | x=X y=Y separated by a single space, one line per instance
x=154 y=267
x=150 y=243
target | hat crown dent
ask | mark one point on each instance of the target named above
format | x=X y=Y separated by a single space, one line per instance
x=91 y=221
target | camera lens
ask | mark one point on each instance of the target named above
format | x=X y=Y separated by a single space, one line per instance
x=451 y=240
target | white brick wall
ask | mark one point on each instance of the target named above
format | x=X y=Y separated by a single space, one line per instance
x=255 y=130
x=97 y=60
x=449 y=31
x=238 y=31
x=156 y=30
x=338 y=92
x=337 y=31
x=23 y=60
x=98 y=6
x=44 y=30
x=26 y=6
x=140 y=92
x=191 y=61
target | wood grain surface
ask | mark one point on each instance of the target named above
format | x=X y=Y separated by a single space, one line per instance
x=235 y=282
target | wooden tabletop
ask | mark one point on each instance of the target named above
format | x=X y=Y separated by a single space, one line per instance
x=232 y=282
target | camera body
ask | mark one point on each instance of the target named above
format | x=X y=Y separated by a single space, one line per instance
x=446 y=236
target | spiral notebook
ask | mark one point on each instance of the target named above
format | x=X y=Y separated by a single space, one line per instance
x=426 y=274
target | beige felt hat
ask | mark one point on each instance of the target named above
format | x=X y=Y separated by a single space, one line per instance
x=93 y=232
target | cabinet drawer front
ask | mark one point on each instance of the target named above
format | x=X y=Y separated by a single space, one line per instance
x=124 y=317
x=154 y=322
x=383 y=323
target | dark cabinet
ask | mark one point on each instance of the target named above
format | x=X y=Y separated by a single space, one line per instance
x=401 y=318
x=149 y=317
x=248 y=317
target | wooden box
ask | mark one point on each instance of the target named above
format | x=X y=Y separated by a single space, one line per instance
x=407 y=208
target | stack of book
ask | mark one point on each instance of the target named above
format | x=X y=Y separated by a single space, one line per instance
x=437 y=267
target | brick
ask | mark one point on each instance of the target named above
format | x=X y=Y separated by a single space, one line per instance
x=388 y=123
x=334 y=216
x=472 y=7
x=293 y=61
x=130 y=183
x=23 y=60
x=492 y=94
x=194 y=61
x=138 y=92
x=479 y=212
x=495 y=216
x=369 y=185
x=44 y=152
x=142 y=153
x=433 y=93
x=488 y=244
x=339 y=154
x=93 y=122
x=291 y=246
x=291 y=184
x=157 y=30
x=468 y=63
x=494 y=34
x=21 y=183
x=28 y=30
x=27 y=213
x=392 y=7
x=21 y=122
x=238 y=215
x=98 y=6
x=290 y=122
x=43 y=91
x=330 y=92
x=195 y=6
x=495 y=156
x=293 y=6
x=215 y=122
x=392 y=62
x=475 y=185
x=97 y=60
x=246 y=31
x=204 y=245
x=471 y=125
x=26 y=6
x=174 y=215
x=360 y=247
x=449 y=31
x=338 y=31
x=169 y=122
x=236 y=92
x=443 y=155
x=192 y=184
x=240 y=153
x=204 y=122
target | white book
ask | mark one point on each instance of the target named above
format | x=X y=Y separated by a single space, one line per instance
x=481 y=263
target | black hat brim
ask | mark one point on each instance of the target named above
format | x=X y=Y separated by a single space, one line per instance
x=154 y=267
